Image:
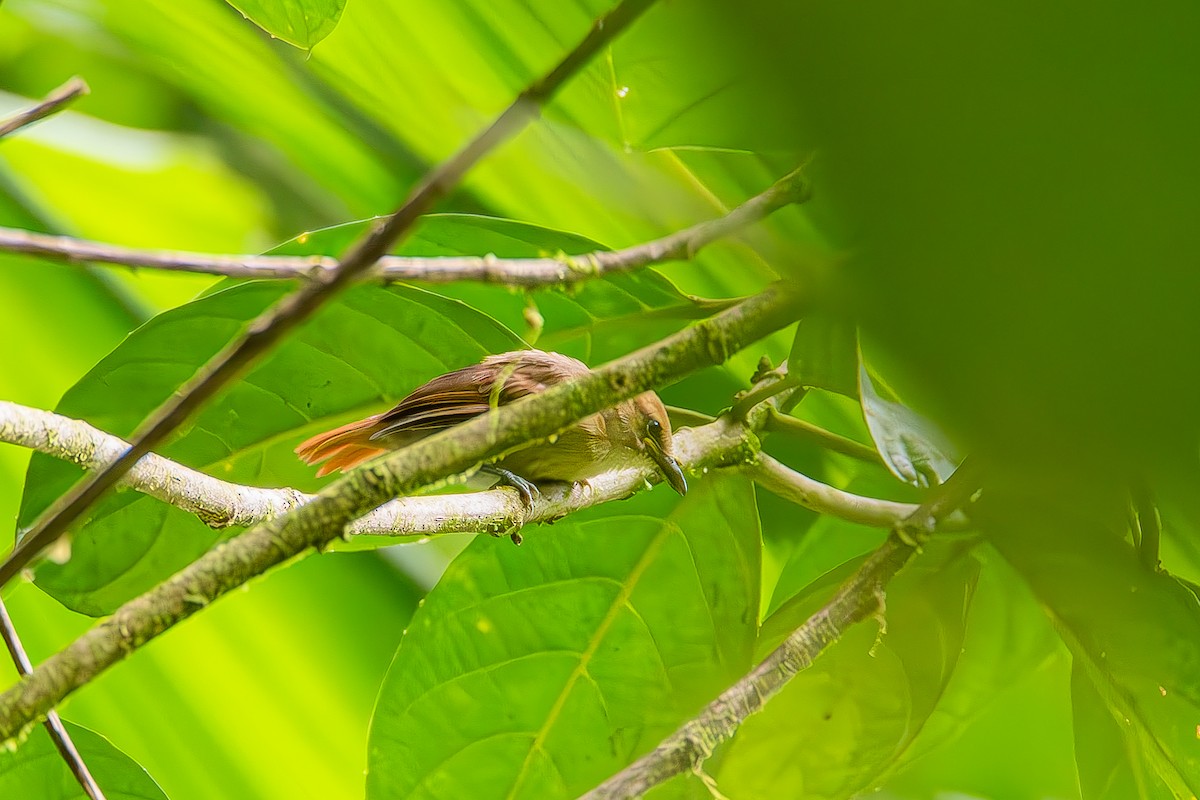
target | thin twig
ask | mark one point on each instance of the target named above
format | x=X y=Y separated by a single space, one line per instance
x=521 y=272
x=54 y=725
x=855 y=600
x=54 y=102
x=404 y=472
x=791 y=426
x=761 y=394
x=802 y=490
x=265 y=332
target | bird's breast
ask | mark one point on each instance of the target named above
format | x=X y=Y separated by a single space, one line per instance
x=580 y=452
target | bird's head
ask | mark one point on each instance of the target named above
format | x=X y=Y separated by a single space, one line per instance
x=649 y=432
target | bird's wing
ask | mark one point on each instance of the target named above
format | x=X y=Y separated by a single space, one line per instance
x=458 y=396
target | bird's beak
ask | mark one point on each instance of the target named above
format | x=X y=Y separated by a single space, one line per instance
x=667 y=465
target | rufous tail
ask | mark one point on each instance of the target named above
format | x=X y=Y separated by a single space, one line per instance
x=341 y=448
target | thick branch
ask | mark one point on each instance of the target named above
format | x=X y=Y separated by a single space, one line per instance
x=404 y=472
x=55 y=101
x=521 y=272
x=219 y=503
x=54 y=725
x=712 y=443
x=855 y=600
x=269 y=329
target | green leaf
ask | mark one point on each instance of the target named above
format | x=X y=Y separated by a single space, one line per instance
x=1135 y=633
x=302 y=23
x=1007 y=642
x=35 y=769
x=913 y=448
x=667 y=95
x=825 y=354
x=363 y=352
x=537 y=672
x=1112 y=759
x=841 y=724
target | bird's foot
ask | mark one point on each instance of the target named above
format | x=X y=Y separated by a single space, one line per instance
x=527 y=489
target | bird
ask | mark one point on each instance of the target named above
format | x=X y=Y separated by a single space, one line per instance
x=631 y=432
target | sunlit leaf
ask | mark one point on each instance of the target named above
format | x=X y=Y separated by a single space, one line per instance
x=367 y=349
x=299 y=22
x=1007 y=639
x=536 y=672
x=35 y=770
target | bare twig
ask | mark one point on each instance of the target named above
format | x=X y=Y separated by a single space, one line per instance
x=855 y=600
x=802 y=490
x=54 y=102
x=54 y=725
x=789 y=425
x=317 y=523
x=265 y=332
x=720 y=443
x=524 y=272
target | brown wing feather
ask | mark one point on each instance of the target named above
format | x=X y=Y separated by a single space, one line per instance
x=443 y=402
x=458 y=396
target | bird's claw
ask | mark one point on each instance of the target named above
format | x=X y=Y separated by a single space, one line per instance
x=525 y=488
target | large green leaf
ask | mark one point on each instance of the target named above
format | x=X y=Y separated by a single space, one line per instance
x=537 y=672
x=35 y=770
x=1007 y=640
x=1134 y=632
x=367 y=349
x=595 y=320
x=841 y=724
x=299 y=22
x=1112 y=758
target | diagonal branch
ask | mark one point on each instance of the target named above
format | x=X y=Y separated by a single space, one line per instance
x=518 y=272
x=55 y=101
x=54 y=725
x=323 y=520
x=854 y=601
x=269 y=329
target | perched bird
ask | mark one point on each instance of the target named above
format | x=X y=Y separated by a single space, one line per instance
x=629 y=432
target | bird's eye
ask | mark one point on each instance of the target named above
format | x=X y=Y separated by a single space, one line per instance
x=653 y=426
